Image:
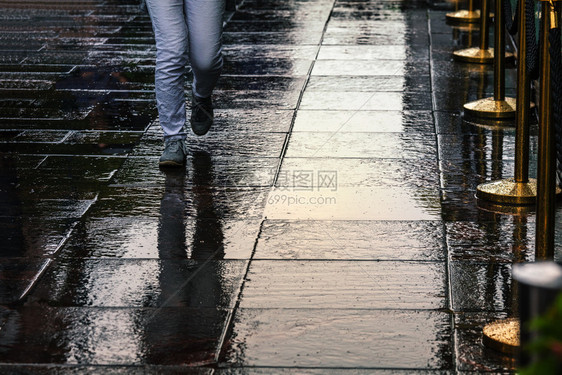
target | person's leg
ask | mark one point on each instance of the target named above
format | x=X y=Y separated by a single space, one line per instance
x=170 y=30
x=204 y=21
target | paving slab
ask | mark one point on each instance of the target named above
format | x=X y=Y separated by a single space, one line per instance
x=295 y=338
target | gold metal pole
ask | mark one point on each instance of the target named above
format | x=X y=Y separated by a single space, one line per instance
x=519 y=190
x=546 y=175
x=482 y=54
x=523 y=104
x=498 y=108
x=469 y=15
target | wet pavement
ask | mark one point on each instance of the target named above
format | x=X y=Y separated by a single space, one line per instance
x=327 y=224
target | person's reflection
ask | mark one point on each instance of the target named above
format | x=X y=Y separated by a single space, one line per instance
x=208 y=236
x=187 y=327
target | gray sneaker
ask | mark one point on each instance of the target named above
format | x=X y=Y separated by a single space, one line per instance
x=174 y=153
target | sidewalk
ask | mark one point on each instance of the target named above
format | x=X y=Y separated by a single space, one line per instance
x=326 y=224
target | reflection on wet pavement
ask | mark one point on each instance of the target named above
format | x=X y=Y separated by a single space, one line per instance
x=327 y=223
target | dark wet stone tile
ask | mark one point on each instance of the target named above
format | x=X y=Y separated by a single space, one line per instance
x=472 y=355
x=466 y=175
x=489 y=285
x=267 y=66
x=269 y=51
x=219 y=144
x=68 y=177
x=382 y=101
x=280 y=4
x=26 y=84
x=510 y=239
x=345 y=240
x=286 y=25
x=13 y=165
x=119 y=336
x=361 y=145
x=255 y=121
x=463 y=206
x=454 y=123
x=37 y=68
x=418 y=83
x=42 y=136
x=329 y=174
x=140 y=283
x=270 y=37
x=226 y=172
x=256 y=99
x=82 y=143
x=271 y=337
x=104 y=138
x=206 y=203
x=486 y=145
x=17 y=277
x=327 y=284
x=318 y=13
x=9 y=135
x=363 y=121
x=448 y=76
x=86 y=167
x=56 y=208
x=33 y=236
x=164 y=237
x=264 y=83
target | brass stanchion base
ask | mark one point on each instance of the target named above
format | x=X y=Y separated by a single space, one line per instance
x=508 y=192
x=488 y=108
x=463 y=16
x=475 y=55
x=467 y=27
x=503 y=336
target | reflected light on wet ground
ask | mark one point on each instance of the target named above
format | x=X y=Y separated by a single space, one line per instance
x=327 y=223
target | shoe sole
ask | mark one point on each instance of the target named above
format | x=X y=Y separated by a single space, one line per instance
x=170 y=163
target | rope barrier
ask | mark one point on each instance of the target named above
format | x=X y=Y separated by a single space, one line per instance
x=556 y=87
x=511 y=22
x=532 y=61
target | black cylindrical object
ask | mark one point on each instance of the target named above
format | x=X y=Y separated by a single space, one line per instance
x=539 y=284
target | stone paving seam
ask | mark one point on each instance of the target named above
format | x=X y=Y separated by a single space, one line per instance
x=229 y=324
x=303 y=89
x=450 y=309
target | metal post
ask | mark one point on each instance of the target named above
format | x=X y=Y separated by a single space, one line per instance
x=499 y=53
x=465 y=15
x=482 y=54
x=498 y=108
x=546 y=174
x=519 y=190
x=523 y=104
